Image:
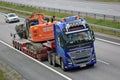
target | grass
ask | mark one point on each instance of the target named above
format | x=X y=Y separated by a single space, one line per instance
x=2 y=77
x=109 y=32
x=31 y=9
x=108 y=0
x=108 y=23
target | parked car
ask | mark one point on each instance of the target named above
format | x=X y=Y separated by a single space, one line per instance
x=11 y=17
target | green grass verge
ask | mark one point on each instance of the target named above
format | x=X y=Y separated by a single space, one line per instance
x=2 y=77
x=109 y=32
x=31 y=9
x=109 y=23
x=108 y=0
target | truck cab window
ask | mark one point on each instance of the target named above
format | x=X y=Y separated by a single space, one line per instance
x=60 y=41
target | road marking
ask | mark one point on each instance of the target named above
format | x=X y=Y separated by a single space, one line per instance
x=54 y=69
x=103 y=61
x=37 y=61
x=108 y=41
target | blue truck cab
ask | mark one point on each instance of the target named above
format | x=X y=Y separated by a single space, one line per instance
x=74 y=43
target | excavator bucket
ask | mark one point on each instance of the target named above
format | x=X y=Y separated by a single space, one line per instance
x=21 y=31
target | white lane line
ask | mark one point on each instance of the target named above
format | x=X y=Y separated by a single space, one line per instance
x=103 y=62
x=66 y=77
x=108 y=41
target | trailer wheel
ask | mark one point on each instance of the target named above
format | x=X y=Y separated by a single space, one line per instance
x=53 y=60
x=50 y=58
x=63 y=65
x=17 y=47
x=20 y=47
x=13 y=45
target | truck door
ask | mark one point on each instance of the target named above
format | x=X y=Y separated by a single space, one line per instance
x=59 y=46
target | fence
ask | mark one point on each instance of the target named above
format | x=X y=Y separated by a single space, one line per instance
x=101 y=28
x=84 y=14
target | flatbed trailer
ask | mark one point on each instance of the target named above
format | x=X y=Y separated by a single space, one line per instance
x=35 y=50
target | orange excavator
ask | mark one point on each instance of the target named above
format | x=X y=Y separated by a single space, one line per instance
x=37 y=28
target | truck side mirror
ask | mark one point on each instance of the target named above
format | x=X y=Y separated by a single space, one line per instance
x=93 y=36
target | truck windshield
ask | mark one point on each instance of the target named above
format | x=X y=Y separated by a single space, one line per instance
x=78 y=37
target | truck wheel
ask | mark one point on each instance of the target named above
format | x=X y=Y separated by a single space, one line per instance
x=63 y=65
x=53 y=60
x=50 y=58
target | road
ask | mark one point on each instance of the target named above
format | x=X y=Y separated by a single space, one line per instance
x=28 y=68
x=107 y=67
x=107 y=8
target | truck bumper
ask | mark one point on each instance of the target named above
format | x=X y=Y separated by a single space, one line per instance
x=80 y=65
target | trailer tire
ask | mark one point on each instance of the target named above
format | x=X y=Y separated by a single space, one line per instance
x=62 y=65
x=17 y=47
x=50 y=58
x=20 y=47
x=13 y=45
x=53 y=60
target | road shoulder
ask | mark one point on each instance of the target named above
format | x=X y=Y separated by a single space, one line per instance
x=107 y=37
x=9 y=73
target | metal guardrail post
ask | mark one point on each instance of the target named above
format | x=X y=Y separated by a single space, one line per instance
x=113 y=18
x=78 y=13
x=104 y=17
x=94 y=16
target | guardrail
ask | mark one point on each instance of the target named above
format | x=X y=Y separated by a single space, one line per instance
x=102 y=28
x=84 y=14
x=105 y=29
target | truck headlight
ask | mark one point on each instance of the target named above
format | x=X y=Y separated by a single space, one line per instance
x=69 y=61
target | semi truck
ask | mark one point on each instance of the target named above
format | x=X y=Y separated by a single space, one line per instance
x=72 y=45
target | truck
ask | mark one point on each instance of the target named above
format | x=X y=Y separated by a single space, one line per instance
x=72 y=45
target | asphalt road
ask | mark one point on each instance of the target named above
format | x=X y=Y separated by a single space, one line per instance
x=110 y=8
x=107 y=67
x=29 y=69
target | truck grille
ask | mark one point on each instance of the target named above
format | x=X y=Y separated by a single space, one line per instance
x=81 y=56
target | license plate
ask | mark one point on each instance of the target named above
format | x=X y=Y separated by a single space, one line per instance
x=82 y=65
